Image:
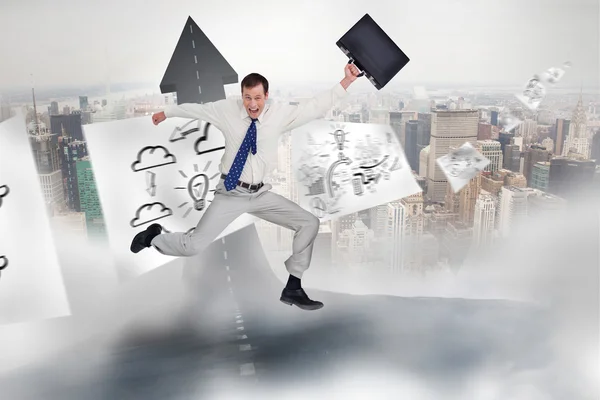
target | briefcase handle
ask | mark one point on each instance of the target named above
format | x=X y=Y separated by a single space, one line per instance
x=362 y=73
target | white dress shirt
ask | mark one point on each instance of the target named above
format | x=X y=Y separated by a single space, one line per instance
x=231 y=118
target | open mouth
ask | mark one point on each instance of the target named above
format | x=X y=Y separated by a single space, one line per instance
x=253 y=110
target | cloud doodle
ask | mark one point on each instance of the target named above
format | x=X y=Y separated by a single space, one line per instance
x=150 y=209
x=161 y=158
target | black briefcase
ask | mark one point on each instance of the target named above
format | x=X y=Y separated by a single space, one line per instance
x=373 y=52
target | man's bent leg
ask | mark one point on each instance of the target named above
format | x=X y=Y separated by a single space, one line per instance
x=283 y=212
x=220 y=213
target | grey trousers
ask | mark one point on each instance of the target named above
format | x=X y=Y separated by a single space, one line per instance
x=227 y=206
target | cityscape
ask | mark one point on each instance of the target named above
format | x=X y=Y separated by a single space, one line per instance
x=548 y=162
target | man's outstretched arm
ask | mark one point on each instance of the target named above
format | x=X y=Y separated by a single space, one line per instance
x=298 y=115
x=212 y=112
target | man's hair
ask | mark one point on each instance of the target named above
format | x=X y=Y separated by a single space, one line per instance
x=253 y=80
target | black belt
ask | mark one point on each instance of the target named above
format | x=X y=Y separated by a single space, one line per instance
x=245 y=185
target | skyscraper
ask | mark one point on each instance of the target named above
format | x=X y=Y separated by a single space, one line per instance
x=513 y=208
x=595 y=151
x=467 y=199
x=540 y=176
x=512 y=157
x=561 y=131
x=491 y=149
x=570 y=178
x=577 y=143
x=448 y=129
x=534 y=154
x=484 y=219
x=411 y=148
x=89 y=200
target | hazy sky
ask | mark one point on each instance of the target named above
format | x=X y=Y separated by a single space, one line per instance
x=491 y=42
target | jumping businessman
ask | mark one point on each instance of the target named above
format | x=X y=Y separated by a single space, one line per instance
x=251 y=128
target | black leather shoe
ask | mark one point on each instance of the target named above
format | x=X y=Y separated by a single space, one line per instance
x=299 y=299
x=142 y=240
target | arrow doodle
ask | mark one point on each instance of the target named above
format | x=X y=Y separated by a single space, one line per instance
x=151 y=183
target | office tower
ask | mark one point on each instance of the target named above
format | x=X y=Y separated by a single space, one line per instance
x=424 y=161
x=533 y=155
x=69 y=123
x=570 y=178
x=576 y=143
x=425 y=129
x=505 y=139
x=528 y=130
x=53 y=108
x=561 y=131
x=83 y=103
x=47 y=161
x=449 y=129
x=411 y=149
x=492 y=183
x=494 y=118
x=491 y=149
x=514 y=179
x=467 y=198
x=484 y=219
x=451 y=200
x=512 y=157
x=89 y=200
x=71 y=151
x=412 y=232
x=484 y=131
x=595 y=150
x=513 y=208
x=540 y=176
x=397 y=126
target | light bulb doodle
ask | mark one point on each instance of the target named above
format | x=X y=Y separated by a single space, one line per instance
x=198 y=188
x=340 y=137
x=4 y=191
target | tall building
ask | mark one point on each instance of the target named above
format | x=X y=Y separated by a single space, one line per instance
x=53 y=108
x=411 y=149
x=570 y=178
x=83 y=103
x=424 y=136
x=484 y=131
x=71 y=151
x=512 y=157
x=89 y=200
x=484 y=219
x=513 y=208
x=412 y=231
x=577 y=143
x=491 y=149
x=467 y=199
x=528 y=130
x=424 y=162
x=561 y=131
x=533 y=155
x=540 y=176
x=448 y=129
x=69 y=123
x=494 y=118
x=505 y=139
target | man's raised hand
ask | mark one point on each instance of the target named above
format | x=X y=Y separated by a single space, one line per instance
x=158 y=117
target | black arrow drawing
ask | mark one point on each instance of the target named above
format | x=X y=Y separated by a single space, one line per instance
x=197 y=70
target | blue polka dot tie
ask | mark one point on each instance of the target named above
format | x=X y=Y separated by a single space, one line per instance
x=249 y=143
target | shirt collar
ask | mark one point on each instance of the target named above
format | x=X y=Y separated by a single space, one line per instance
x=244 y=113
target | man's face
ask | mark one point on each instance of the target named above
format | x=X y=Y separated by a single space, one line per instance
x=254 y=100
